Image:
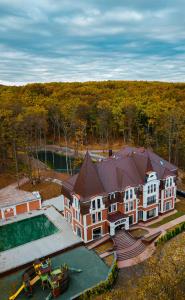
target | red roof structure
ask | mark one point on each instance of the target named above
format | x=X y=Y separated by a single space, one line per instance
x=127 y=167
x=88 y=182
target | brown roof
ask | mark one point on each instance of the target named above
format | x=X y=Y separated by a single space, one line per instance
x=88 y=182
x=127 y=167
x=115 y=216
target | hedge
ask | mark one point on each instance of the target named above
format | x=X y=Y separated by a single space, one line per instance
x=102 y=287
x=170 y=234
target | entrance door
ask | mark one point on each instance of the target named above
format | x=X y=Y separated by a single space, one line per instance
x=96 y=233
x=131 y=220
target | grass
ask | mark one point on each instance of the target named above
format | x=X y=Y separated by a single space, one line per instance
x=168 y=219
x=138 y=233
x=104 y=247
x=180 y=207
x=47 y=190
x=109 y=260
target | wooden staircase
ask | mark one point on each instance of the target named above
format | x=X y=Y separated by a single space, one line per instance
x=127 y=246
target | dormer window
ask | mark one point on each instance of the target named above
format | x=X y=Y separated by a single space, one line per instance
x=96 y=204
x=126 y=195
x=112 y=195
x=169 y=182
x=129 y=194
x=151 y=188
x=93 y=204
x=76 y=203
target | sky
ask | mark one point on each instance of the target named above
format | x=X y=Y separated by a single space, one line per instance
x=84 y=40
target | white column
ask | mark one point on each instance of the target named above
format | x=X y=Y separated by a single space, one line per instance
x=112 y=229
x=40 y=204
x=127 y=224
x=2 y=212
x=162 y=201
x=85 y=229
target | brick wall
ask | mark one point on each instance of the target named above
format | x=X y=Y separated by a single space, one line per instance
x=22 y=208
x=34 y=205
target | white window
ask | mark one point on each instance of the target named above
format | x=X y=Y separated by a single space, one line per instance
x=151 y=199
x=126 y=195
x=126 y=207
x=93 y=218
x=113 y=207
x=77 y=215
x=154 y=187
x=76 y=203
x=98 y=203
x=112 y=196
x=129 y=194
x=131 y=205
x=151 y=213
x=93 y=204
x=99 y=216
x=148 y=189
x=168 y=205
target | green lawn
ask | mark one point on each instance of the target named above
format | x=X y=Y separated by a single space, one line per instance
x=179 y=206
x=168 y=219
x=138 y=232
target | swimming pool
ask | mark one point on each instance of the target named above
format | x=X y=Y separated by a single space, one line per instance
x=24 y=231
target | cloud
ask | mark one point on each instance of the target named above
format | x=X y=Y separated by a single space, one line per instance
x=51 y=40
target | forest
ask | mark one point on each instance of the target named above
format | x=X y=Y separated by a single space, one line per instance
x=149 y=114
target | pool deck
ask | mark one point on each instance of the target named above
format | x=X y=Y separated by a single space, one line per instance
x=58 y=242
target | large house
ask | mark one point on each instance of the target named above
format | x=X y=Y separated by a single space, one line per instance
x=134 y=185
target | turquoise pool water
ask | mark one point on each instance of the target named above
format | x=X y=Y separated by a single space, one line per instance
x=24 y=231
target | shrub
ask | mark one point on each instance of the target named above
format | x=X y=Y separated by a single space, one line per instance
x=170 y=234
x=103 y=286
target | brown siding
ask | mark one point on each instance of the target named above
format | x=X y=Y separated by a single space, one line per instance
x=104 y=214
x=120 y=207
x=34 y=205
x=22 y=208
x=0 y=215
x=88 y=219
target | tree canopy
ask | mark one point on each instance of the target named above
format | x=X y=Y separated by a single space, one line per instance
x=149 y=114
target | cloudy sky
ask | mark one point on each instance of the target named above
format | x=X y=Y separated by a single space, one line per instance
x=81 y=40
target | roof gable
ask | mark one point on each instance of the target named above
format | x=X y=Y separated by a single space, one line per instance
x=88 y=182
